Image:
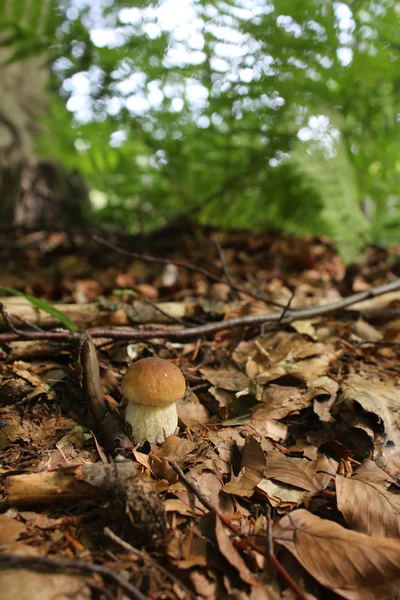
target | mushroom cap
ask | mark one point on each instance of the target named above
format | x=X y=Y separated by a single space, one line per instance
x=153 y=382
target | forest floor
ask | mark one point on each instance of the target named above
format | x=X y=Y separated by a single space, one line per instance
x=282 y=481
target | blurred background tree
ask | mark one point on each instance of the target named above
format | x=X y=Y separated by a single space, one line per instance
x=234 y=113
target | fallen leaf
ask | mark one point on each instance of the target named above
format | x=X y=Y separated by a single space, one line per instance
x=26 y=584
x=10 y=529
x=351 y=564
x=381 y=399
x=279 y=401
x=312 y=476
x=280 y=494
x=252 y=467
x=233 y=381
x=367 y=505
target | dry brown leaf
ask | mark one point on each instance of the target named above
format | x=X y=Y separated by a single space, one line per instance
x=190 y=410
x=252 y=467
x=10 y=529
x=312 y=476
x=280 y=494
x=381 y=399
x=233 y=381
x=230 y=553
x=266 y=428
x=279 y=401
x=367 y=332
x=351 y=564
x=323 y=391
x=25 y=584
x=367 y=505
x=280 y=353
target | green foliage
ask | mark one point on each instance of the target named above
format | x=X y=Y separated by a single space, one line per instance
x=43 y=305
x=27 y=27
x=285 y=114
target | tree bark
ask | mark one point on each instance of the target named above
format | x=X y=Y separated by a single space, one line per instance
x=34 y=192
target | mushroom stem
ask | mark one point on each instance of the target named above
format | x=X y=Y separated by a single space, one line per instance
x=151 y=423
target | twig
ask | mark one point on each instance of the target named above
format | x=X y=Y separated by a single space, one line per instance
x=270 y=544
x=181 y=264
x=200 y=496
x=225 y=268
x=192 y=486
x=210 y=328
x=7 y=320
x=80 y=566
x=285 y=310
x=28 y=324
x=147 y=559
x=380 y=343
x=163 y=312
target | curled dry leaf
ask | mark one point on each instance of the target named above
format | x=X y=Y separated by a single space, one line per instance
x=252 y=467
x=351 y=564
x=381 y=399
x=366 y=504
x=280 y=494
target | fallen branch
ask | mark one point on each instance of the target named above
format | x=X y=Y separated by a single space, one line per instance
x=132 y=496
x=43 y=563
x=98 y=314
x=68 y=484
x=291 y=315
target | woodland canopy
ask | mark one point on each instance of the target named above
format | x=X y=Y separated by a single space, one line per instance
x=236 y=113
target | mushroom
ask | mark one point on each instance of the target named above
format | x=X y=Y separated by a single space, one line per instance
x=152 y=386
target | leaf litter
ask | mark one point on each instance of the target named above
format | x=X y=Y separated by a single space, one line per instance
x=288 y=436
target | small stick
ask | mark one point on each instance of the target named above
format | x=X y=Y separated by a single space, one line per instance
x=270 y=542
x=195 y=489
x=80 y=566
x=147 y=559
x=287 y=307
x=28 y=324
x=7 y=320
x=163 y=312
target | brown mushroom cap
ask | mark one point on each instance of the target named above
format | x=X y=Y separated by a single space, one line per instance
x=153 y=382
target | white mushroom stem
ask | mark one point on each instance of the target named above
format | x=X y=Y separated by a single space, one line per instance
x=151 y=423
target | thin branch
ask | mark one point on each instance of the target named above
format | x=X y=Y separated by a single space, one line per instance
x=181 y=264
x=297 y=314
x=285 y=310
x=78 y=566
x=270 y=545
x=28 y=324
x=192 y=486
x=147 y=559
x=200 y=496
x=7 y=320
x=163 y=312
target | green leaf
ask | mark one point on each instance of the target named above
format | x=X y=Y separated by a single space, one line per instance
x=124 y=291
x=45 y=306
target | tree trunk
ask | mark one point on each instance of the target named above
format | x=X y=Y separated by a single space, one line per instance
x=34 y=192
